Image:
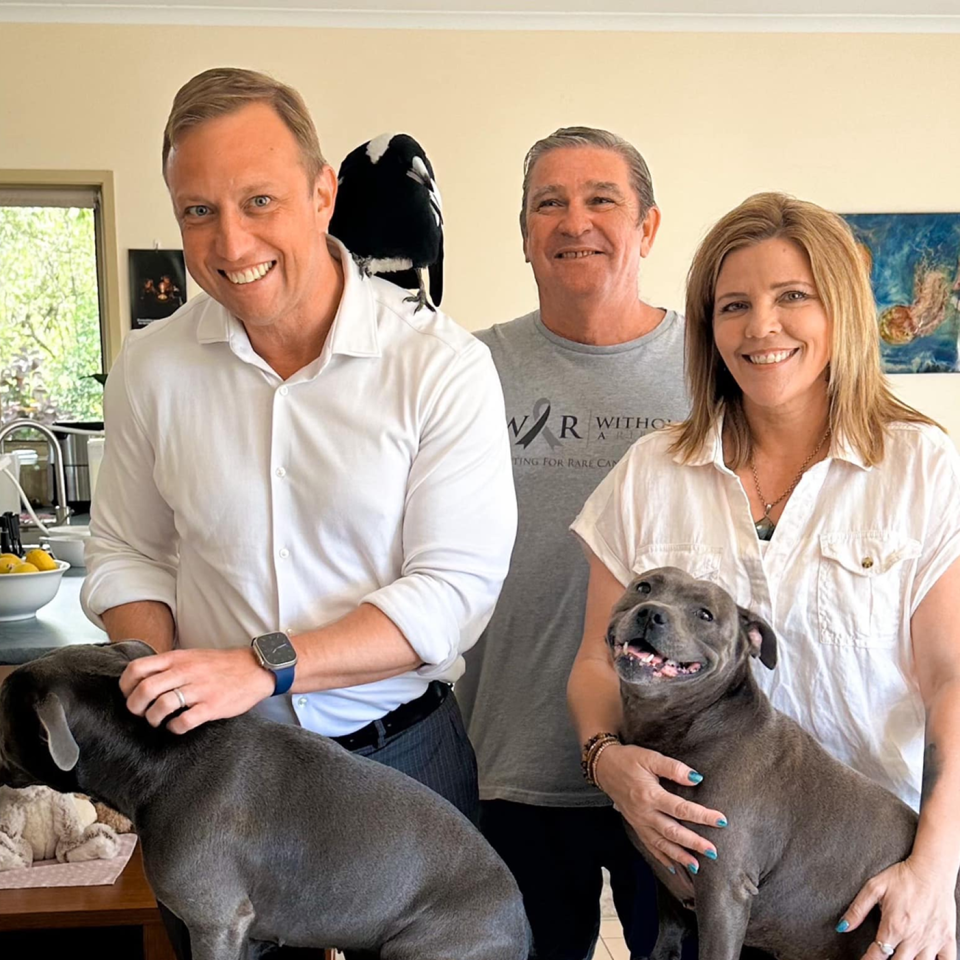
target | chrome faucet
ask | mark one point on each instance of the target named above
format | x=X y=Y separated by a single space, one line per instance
x=62 y=510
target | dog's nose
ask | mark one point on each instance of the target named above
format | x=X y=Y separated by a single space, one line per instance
x=652 y=616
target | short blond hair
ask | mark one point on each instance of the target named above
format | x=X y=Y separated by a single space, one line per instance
x=861 y=402
x=224 y=90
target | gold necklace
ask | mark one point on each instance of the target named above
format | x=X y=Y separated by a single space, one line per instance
x=765 y=526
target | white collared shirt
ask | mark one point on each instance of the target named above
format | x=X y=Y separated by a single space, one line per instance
x=380 y=473
x=855 y=551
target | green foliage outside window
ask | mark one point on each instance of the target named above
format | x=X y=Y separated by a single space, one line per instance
x=49 y=315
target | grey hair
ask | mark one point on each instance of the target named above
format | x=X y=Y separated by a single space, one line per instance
x=640 y=178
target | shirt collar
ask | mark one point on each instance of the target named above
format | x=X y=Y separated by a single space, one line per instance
x=354 y=328
x=711 y=451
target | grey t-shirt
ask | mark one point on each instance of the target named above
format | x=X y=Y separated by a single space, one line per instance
x=572 y=412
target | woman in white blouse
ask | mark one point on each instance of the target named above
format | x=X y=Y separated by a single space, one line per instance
x=803 y=487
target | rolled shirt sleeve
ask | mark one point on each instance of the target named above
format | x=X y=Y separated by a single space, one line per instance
x=460 y=518
x=132 y=551
x=607 y=524
x=940 y=467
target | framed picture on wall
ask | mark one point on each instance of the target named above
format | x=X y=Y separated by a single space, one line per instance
x=158 y=285
x=914 y=261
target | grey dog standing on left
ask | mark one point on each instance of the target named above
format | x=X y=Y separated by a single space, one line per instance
x=260 y=831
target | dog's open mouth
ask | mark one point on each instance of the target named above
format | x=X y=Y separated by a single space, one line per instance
x=654 y=664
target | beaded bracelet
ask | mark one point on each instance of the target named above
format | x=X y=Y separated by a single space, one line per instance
x=591 y=753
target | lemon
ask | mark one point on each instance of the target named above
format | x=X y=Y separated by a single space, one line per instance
x=6 y=566
x=41 y=560
x=24 y=568
x=8 y=558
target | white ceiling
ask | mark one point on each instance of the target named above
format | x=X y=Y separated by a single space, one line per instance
x=909 y=16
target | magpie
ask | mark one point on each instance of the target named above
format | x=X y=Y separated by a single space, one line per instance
x=389 y=214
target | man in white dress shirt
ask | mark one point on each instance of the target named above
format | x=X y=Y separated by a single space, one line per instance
x=297 y=456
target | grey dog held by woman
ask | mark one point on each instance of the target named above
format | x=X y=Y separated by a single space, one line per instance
x=805 y=831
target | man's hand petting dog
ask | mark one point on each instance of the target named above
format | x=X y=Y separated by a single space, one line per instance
x=213 y=685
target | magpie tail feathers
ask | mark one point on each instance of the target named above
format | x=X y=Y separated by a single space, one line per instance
x=435 y=270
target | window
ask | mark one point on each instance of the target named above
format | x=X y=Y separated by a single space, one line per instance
x=54 y=334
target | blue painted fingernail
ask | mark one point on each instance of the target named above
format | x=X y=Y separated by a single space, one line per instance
x=711 y=854
x=721 y=822
x=673 y=870
x=693 y=868
x=694 y=776
x=842 y=926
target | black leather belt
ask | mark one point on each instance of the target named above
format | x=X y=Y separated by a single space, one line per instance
x=406 y=715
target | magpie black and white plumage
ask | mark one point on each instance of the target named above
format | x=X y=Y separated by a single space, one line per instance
x=389 y=214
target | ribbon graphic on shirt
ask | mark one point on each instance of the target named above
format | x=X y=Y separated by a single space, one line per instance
x=540 y=416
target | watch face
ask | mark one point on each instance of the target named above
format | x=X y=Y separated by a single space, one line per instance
x=276 y=649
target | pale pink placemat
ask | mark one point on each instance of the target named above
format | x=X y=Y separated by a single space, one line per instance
x=89 y=873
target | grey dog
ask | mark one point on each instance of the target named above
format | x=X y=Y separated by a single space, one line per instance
x=261 y=831
x=805 y=831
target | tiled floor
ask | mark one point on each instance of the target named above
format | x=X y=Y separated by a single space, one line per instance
x=612 y=946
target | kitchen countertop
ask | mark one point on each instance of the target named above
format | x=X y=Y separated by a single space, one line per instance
x=59 y=623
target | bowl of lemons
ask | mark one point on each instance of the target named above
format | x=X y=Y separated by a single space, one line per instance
x=28 y=583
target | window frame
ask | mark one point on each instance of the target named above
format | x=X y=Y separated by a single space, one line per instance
x=105 y=231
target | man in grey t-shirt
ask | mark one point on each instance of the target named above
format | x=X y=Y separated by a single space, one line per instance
x=583 y=377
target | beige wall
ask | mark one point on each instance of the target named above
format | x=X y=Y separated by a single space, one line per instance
x=855 y=122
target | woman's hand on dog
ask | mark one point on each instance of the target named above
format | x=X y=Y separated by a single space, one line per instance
x=214 y=684
x=918 y=913
x=630 y=776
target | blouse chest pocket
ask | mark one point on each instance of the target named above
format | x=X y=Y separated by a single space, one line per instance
x=861 y=587
x=700 y=561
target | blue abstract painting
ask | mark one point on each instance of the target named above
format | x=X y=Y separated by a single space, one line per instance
x=914 y=272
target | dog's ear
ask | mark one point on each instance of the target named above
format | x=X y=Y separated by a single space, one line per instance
x=63 y=748
x=760 y=636
x=134 y=649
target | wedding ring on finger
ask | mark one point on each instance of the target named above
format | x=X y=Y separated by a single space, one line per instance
x=888 y=950
x=183 y=706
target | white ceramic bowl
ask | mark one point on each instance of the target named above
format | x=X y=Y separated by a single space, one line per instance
x=69 y=548
x=23 y=594
x=66 y=543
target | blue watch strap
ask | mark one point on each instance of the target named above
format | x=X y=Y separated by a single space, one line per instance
x=284 y=677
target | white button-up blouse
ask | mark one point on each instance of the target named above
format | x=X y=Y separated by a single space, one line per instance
x=855 y=551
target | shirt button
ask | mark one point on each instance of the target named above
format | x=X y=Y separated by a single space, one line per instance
x=866 y=563
x=281 y=472
x=302 y=702
x=283 y=553
x=283 y=391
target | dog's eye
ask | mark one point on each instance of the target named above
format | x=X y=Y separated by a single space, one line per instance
x=704 y=614
x=643 y=587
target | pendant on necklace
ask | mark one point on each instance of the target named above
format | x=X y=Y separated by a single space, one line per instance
x=765 y=527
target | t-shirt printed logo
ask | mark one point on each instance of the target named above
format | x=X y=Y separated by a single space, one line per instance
x=541 y=414
x=613 y=427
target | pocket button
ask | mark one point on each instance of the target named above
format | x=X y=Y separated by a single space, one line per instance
x=866 y=563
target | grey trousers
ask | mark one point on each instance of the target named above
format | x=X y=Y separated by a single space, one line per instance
x=437 y=752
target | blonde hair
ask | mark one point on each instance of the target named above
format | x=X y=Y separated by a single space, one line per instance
x=224 y=90
x=860 y=399
x=640 y=178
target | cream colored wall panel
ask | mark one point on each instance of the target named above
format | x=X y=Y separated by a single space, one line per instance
x=855 y=122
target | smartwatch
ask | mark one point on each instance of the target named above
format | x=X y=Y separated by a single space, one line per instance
x=274 y=652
